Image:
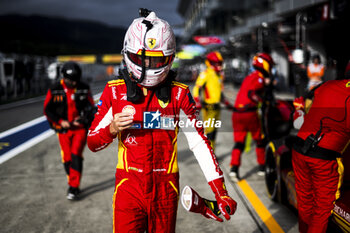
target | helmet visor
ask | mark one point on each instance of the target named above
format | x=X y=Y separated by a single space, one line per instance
x=150 y=61
x=216 y=63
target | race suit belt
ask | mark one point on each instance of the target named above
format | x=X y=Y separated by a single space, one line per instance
x=245 y=109
x=316 y=151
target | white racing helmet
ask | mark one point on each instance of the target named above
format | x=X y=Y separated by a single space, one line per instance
x=149 y=50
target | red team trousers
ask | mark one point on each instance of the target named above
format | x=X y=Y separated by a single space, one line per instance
x=317 y=184
x=244 y=122
x=152 y=206
x=72 y=144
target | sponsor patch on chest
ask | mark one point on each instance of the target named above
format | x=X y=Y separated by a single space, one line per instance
x=151 y=120
x=154 y=120
x=129 y=109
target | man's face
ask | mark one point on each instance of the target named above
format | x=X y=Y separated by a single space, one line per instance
x=70 y=83
x=156 y=62
x=316 y=61
x=147 y=62
x=217 y=66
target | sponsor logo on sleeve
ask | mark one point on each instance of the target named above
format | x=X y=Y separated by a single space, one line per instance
x=136 y=126
x=178 y=94
x=123 y=96
x=114 y=93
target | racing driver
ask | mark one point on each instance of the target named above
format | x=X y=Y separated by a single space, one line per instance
x=142 y=110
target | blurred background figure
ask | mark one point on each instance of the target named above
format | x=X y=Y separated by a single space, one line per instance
x=245 y=117
x=315 y=72
x=317 y=152
x=208 y=92
x=69 y=108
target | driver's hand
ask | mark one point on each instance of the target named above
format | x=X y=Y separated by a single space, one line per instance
x=121 y=121
x=226 y=204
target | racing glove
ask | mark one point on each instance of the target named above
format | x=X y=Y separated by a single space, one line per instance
x=193 y=202
x=211 y=210
x=226 y=204
x=299 y=103
x=298 y=115
x=298 y=118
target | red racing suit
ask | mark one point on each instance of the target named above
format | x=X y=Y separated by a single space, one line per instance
x=245 y=117
x=147 y=176
x=63 y=103
x=318 y=170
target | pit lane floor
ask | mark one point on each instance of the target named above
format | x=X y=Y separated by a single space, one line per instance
x=33 y=189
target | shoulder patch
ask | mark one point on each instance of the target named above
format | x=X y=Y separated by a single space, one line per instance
x=116 y=82
x=178 y=84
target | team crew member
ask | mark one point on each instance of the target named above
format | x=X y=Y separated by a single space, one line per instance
x=316 y=155
x=210 y=81
x=245 y=116
x=315 y=72
x=141 y=109
x=69 y=108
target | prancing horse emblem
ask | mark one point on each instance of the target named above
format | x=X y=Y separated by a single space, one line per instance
x=151 y=42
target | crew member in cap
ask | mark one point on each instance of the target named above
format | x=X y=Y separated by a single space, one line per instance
x=69 y=109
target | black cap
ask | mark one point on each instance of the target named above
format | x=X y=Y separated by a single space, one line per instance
x=316 y=56
x=71 y=71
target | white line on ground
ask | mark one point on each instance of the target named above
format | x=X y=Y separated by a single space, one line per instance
x=35 y=140
x=23 y=126
x=26 y=145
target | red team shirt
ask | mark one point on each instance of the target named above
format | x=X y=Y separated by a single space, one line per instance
x=333 y=105
x=253 y=83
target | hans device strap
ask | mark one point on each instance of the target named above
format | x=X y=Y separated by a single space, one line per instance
x=134 y=92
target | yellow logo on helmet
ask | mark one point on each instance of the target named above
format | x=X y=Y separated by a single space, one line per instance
x=266 y=66
x=219 y=56
x=347 y=84
x=151 y=42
